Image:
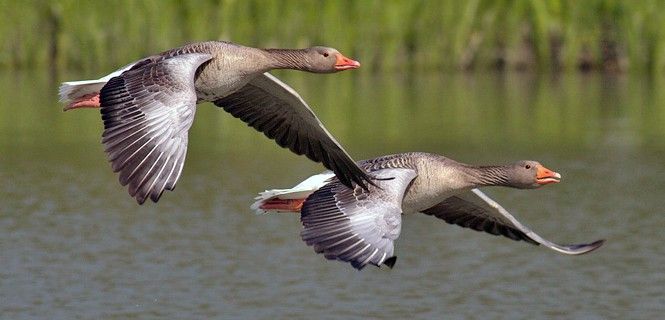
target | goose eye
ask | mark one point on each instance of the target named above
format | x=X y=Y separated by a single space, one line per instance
x=528 y=166
x=325 y=54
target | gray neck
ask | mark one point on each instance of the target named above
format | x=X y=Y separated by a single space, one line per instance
x=294 y=59
x=485 y=176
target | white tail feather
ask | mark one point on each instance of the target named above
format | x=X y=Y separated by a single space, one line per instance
x=72 y=90
x=300 y=191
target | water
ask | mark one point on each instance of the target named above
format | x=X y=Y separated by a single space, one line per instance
x=74 y=245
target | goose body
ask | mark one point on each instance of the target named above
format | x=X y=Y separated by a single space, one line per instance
x=148 y=107
x=359 y=226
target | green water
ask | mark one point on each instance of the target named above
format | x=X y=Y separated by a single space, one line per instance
x=74 y=245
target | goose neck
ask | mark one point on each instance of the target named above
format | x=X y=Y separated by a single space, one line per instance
x=288 y=59
x=485 y=176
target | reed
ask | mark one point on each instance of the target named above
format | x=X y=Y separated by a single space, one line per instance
x=385 y=35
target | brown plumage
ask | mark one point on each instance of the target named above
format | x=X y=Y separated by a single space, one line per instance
x=148 y=107
x=360 y=226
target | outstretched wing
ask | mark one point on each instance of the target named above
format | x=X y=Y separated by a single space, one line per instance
x=147 y=112
x=475 y=210
x=272 y=107
x=357 y=225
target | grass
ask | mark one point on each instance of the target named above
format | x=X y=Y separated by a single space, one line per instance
x=386 y=35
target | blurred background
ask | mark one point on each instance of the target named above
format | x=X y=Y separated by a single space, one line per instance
x=609 y=35
x=576 y=85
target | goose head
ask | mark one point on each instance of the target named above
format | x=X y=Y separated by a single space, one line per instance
x=529 y=174
x=328 y=60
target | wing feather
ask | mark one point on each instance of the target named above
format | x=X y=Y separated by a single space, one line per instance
x=477 y=211
x=272 y=107
x=147 y=112
x=356 y=225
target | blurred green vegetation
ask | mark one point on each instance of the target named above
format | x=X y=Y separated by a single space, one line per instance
x=385 y=35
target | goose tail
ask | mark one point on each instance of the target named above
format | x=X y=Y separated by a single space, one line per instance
x=77 y=93
x=289 y=200
x=74 y=90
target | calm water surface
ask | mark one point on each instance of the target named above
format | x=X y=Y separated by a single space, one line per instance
x=74 y=245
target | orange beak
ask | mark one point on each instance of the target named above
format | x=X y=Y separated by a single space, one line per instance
x=546 y=176
x=344 y=63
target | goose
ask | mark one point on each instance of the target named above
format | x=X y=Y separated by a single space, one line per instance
x=148 y=107
x=359 y=226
